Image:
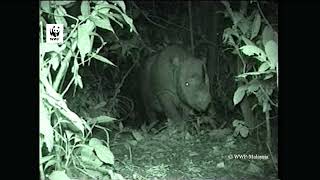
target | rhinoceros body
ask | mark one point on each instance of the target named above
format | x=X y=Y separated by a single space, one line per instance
x=173 y=82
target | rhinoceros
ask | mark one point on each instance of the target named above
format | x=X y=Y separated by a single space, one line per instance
x=173 y=82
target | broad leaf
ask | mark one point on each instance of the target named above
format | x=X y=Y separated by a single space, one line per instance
x=85 y=8
x=45 y=6
x=59 y=14
x=121 y=4
x=103 y=59
x=253 y=85
x=59 y=175
x=63 y=3
x=104 y=154
x=247 y=41
x=236 y=123
x=54 y=61
x=263 y=67
x=102 y=23
x=84 y=41
x=239 y=94
x=268 y=76
x=255 y=73
x=251 y=50
x=129 y=21
x=268 y=34
x=88 y=157
x=78 y=81
x=244 y=131
x=95 y=142
x=45 y=159
x=271 y=49
x=115 y=17
x=103 y=119
x=256 y=26
x=137 y=135
x=103 y=8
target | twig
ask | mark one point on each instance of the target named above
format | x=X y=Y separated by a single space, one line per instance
x=272 y=158
x=258 y=125
x=42 y=176
x=120 y=84
x=276 y=105
x=190 y=27
x=146 y=16
x=64 y=66
x=263 y=14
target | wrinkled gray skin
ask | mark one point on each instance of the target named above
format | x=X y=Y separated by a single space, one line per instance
x=173 y=82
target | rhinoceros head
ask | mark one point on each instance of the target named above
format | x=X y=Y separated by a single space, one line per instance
x=192 y=82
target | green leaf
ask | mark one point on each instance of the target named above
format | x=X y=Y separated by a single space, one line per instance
x=268 y=34
x=228 y=32
x=63 y=3
x=45 y=6
x=255 y=73
x=121 y=4
x=103 y=8
x=253 y=85
x=263 y=67
x=45 y=159
x=54 y=61
x=266 y=106
x=48 y=47
x=268 y=76
x=244 y=131
x=116 y=176
x=112 y=17
x=85 y=8
x=45 y=126
x=103 y=119
x=247 y=41
x=58 y=16
x=236 y=123
x=256 y=26
x=244 y=26
x=95 y=142
x=78 y=81
x=236 y=131
x=271 y=49
x=129 y=21
x=88 y=157
x=50 y=163
x=237 y=17
x=137 y=135
x=102 y=23
x=239 y=94
x=103 y=59
x=76 y=120
x=84 y=41
x=59 y=175
x=69 y=134
x=251 y=50
x=104 y=154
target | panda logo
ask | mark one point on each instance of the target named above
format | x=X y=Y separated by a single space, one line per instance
x=54 y=31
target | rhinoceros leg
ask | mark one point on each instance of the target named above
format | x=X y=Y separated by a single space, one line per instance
x=169 y=106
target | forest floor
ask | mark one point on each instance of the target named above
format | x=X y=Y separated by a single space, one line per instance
x=207 y=154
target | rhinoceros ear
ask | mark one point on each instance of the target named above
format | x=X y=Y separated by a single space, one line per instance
x=175 y=61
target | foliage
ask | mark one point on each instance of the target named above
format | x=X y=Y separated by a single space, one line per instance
x=66 y=146
x=255 y=38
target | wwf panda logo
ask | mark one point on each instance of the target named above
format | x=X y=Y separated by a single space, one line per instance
x=54 y=31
